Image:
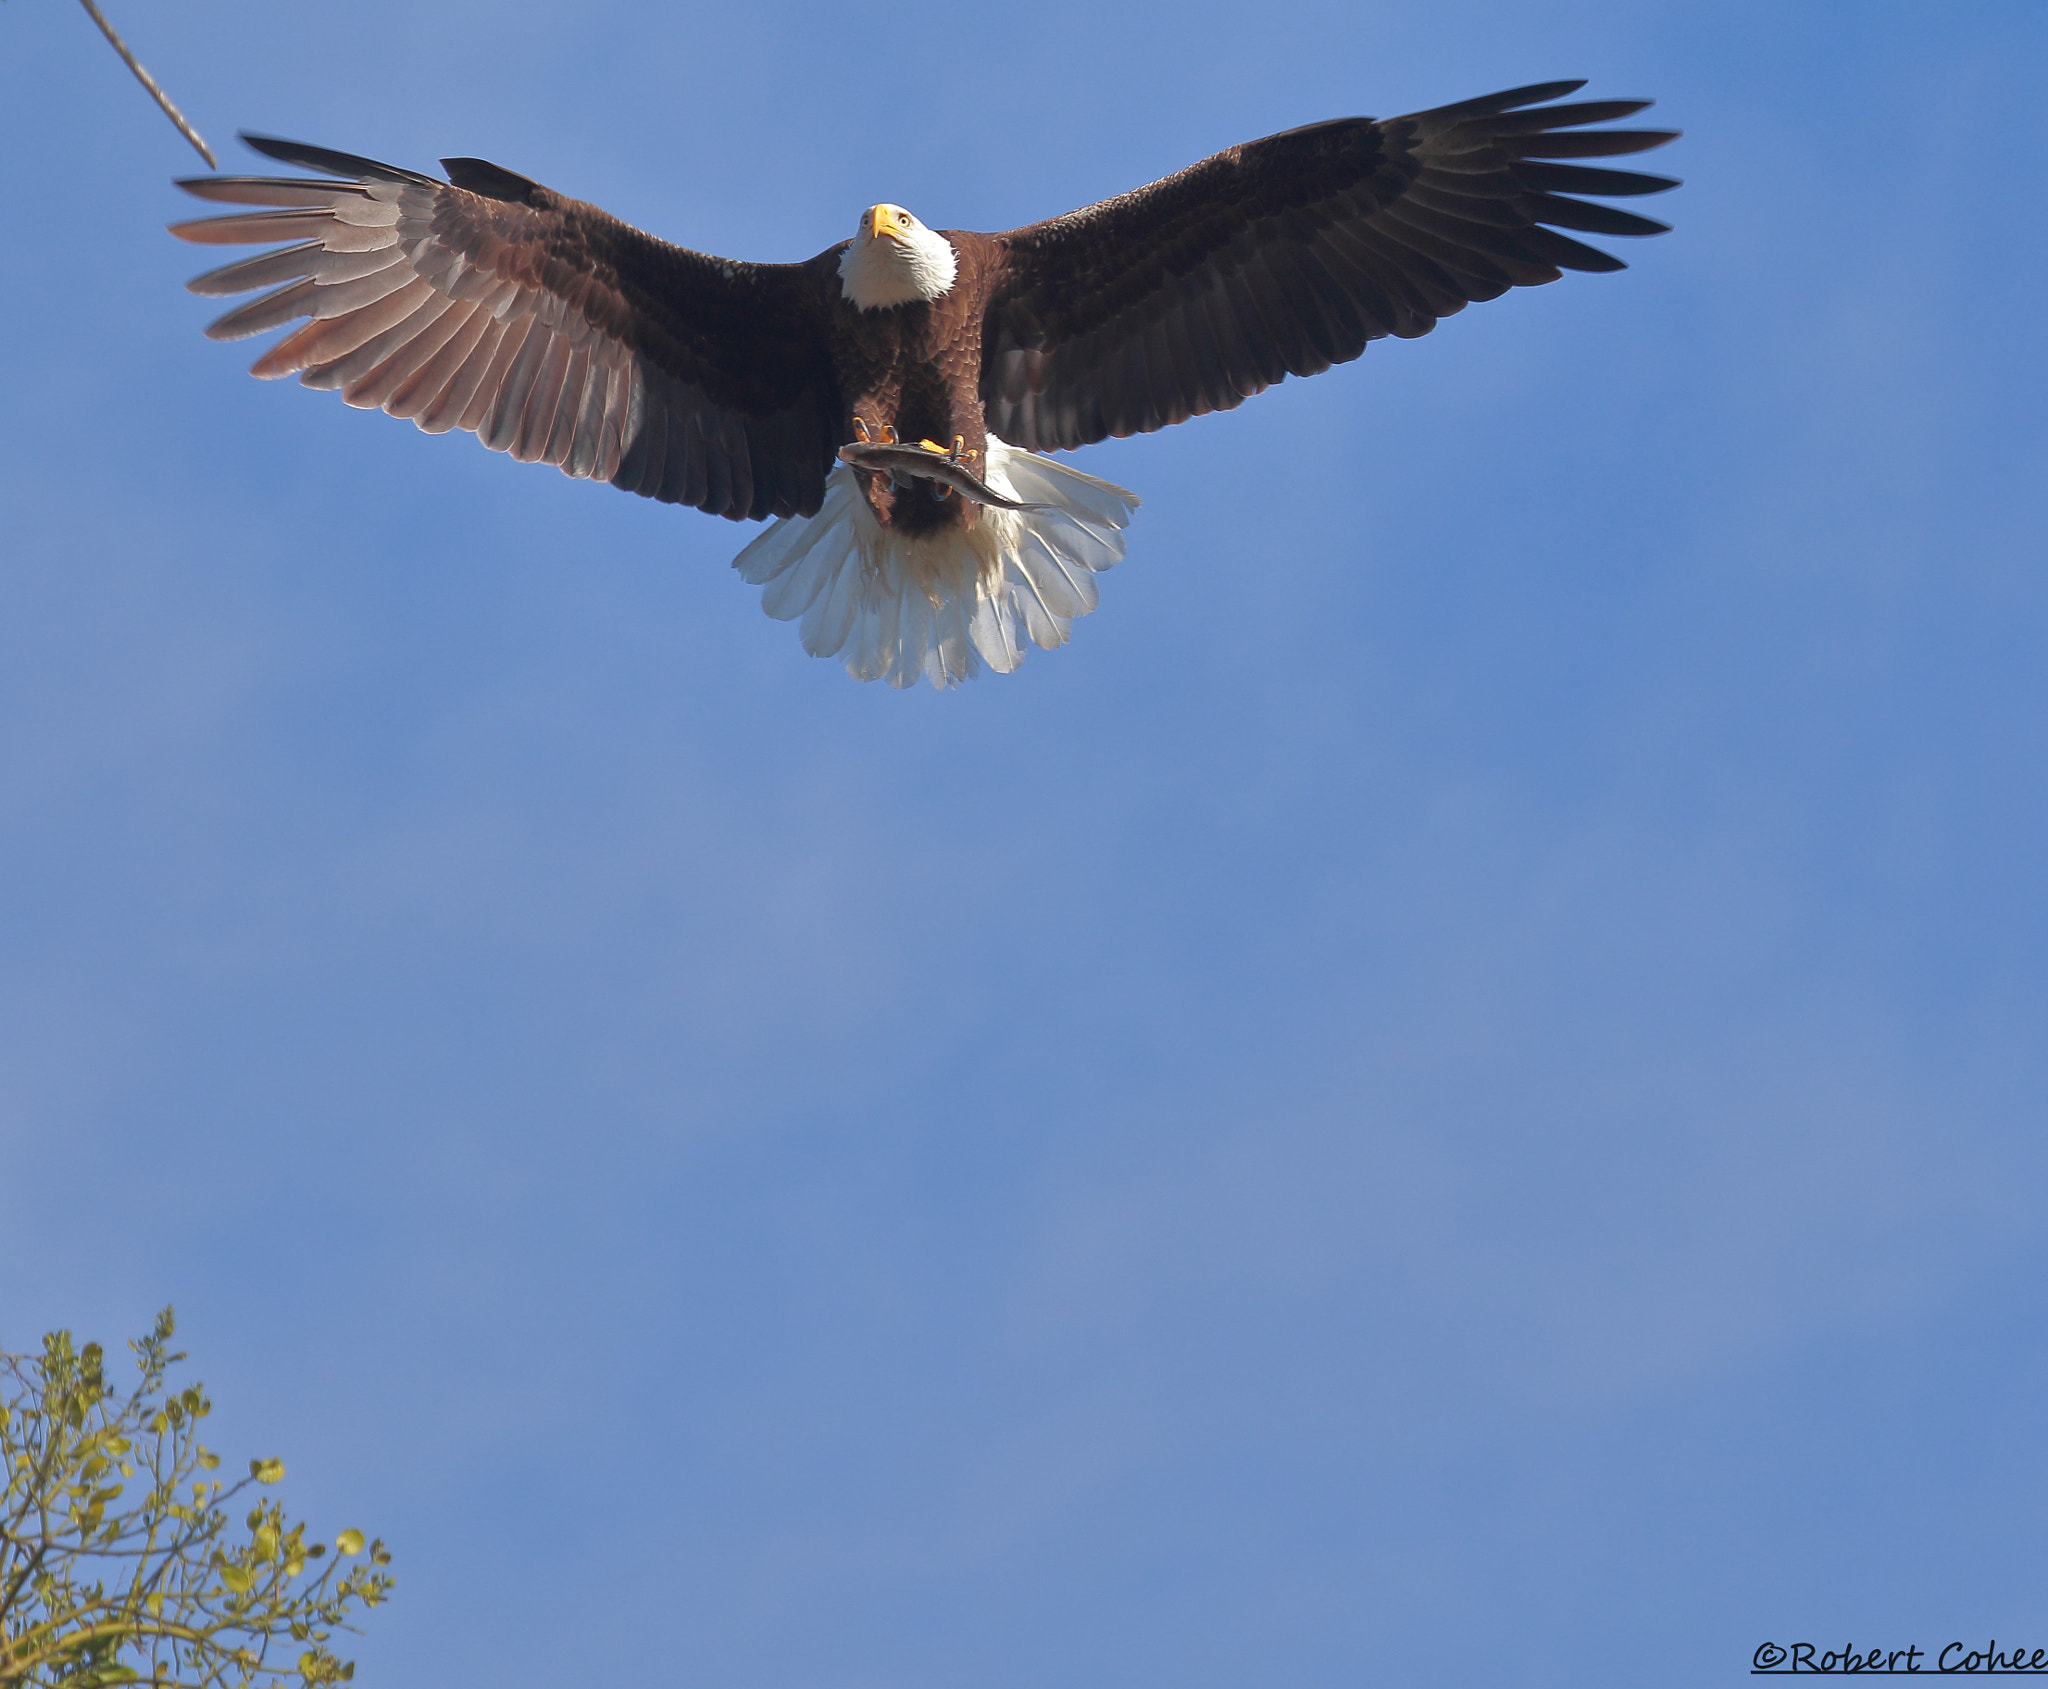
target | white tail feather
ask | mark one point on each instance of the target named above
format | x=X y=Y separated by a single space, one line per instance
x=945 y=606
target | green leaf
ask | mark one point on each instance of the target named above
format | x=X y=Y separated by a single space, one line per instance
x=266 y=1471
x=349 y=1542
x=236 y=1579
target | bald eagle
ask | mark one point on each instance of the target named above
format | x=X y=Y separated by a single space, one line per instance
x=891 y=401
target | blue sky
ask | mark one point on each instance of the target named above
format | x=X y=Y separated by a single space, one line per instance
x=1452 y=1093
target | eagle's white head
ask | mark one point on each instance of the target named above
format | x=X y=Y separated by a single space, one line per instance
x=895 y=259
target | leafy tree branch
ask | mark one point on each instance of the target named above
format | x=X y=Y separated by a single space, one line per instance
x=117 y=1563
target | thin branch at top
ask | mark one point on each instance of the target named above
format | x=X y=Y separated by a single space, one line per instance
x=150 y=82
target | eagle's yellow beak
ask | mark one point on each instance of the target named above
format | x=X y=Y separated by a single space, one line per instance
x=882 y=220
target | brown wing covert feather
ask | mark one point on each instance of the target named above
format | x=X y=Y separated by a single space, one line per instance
x=1287 y=255
x=547 y=328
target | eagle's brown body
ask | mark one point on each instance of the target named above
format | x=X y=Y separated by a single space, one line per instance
x=915 y=369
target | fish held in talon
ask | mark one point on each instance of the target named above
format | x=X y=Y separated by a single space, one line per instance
x=813 y=395
x=946 y=474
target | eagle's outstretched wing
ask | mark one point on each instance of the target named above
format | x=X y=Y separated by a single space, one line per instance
x=548 y=328
x=1285 y=256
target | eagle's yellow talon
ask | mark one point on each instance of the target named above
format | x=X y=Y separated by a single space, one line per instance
x=933 y=446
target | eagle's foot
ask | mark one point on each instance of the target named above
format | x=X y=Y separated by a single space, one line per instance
x=940 y=490
x=959 y=454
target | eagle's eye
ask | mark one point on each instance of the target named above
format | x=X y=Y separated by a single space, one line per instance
x=903 y=217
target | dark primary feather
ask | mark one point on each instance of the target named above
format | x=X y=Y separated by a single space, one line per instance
x=546 y=327
x=331 y=162
x=1287 y=255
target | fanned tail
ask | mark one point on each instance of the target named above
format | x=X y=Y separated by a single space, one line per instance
x=944 y=606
